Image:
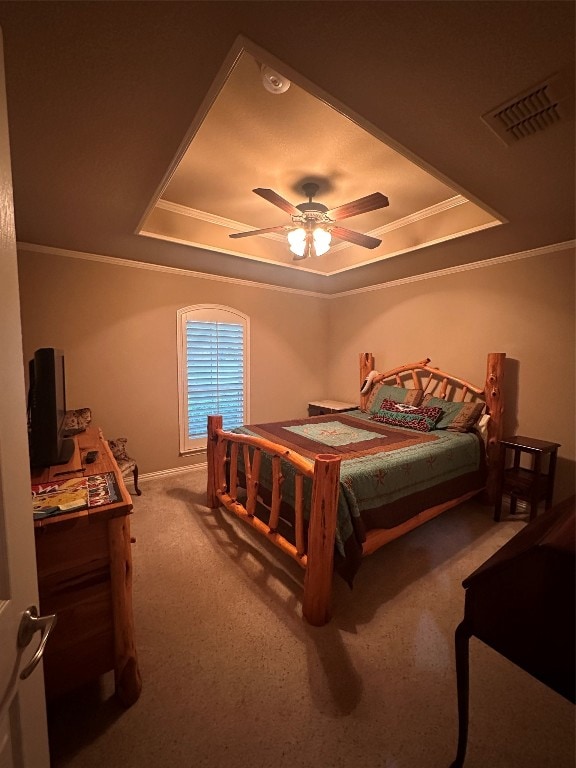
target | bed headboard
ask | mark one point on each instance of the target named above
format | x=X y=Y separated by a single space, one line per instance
x=422 y=375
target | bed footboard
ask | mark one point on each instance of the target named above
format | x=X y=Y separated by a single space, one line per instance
x=316 y=554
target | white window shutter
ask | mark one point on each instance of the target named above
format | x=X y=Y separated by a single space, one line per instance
x=214 y=374
x=213 y=371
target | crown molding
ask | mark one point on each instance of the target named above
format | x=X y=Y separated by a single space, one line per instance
x=432 y=210
x=115 y=261
x=406 y=221
x=496 y=261
x=211 y=218
x=118 y=262
x=437 y=241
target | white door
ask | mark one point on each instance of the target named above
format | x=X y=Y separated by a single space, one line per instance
x=23 y=732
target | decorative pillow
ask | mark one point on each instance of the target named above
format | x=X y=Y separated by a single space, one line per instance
x=422 y=419
x=118 y=448
x=457 y=417
x=77 y=420
x=383 y=391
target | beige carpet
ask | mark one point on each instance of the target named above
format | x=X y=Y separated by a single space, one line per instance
x=233 y=677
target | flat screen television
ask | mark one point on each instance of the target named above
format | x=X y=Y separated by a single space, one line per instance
x=47 y=408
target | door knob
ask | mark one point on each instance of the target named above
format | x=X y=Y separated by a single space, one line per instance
x=29 y=625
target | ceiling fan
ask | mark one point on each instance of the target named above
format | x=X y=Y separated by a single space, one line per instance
x=313 y=224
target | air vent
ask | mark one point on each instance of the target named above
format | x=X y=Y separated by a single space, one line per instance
x=534 y=110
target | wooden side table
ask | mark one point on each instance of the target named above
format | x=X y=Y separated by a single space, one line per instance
x=532 y=484
x=321 y=407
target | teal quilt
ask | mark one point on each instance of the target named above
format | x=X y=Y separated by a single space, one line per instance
x=388 y=474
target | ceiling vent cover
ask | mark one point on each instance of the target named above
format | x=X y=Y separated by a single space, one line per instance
x=534 y=110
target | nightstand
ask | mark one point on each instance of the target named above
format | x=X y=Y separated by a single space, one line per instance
x=533 y=484
x=321 y=407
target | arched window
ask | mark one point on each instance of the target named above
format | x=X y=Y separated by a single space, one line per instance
x=213 y=343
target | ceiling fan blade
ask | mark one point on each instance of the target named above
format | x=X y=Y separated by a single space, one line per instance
x=276 y=199
x=258 y=231
x=366 y=241
x=362 y=205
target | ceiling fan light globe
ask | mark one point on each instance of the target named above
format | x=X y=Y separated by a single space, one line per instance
x=297 y=241
x=296 y=236
x=322 y=239
x=298 y=249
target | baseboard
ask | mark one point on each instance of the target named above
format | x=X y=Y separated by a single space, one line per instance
x=175 y=471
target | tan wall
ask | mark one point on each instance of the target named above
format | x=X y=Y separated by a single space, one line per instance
x=117 y=327
x=524 y=308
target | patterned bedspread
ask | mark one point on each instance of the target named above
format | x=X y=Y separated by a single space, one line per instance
x=387 y=475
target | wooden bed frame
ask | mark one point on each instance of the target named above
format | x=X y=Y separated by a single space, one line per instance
x=317 y=554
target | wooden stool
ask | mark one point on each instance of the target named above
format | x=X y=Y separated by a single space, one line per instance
x=531 y=485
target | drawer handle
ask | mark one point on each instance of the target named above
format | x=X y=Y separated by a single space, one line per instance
x=29 y=625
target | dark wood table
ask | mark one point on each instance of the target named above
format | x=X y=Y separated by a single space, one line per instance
x=522 y=603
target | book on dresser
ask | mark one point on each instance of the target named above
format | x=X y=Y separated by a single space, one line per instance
x=57 y=496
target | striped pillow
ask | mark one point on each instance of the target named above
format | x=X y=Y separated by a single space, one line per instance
x=457 y=417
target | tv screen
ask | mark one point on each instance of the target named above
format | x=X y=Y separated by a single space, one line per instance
x=47 y=408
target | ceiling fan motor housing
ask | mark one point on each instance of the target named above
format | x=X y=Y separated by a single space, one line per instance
x=311 y=212
x=312 y=207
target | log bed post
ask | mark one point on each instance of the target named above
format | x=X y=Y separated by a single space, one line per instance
x=321 y=535
x=214 y=458
x=494 y=397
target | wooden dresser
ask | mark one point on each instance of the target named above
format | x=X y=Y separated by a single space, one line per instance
x=85 y=577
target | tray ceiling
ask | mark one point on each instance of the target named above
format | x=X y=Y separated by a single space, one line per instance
x=246 y=137
x=151 y=117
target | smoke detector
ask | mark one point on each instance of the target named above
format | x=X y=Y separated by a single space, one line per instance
x=273 y=81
